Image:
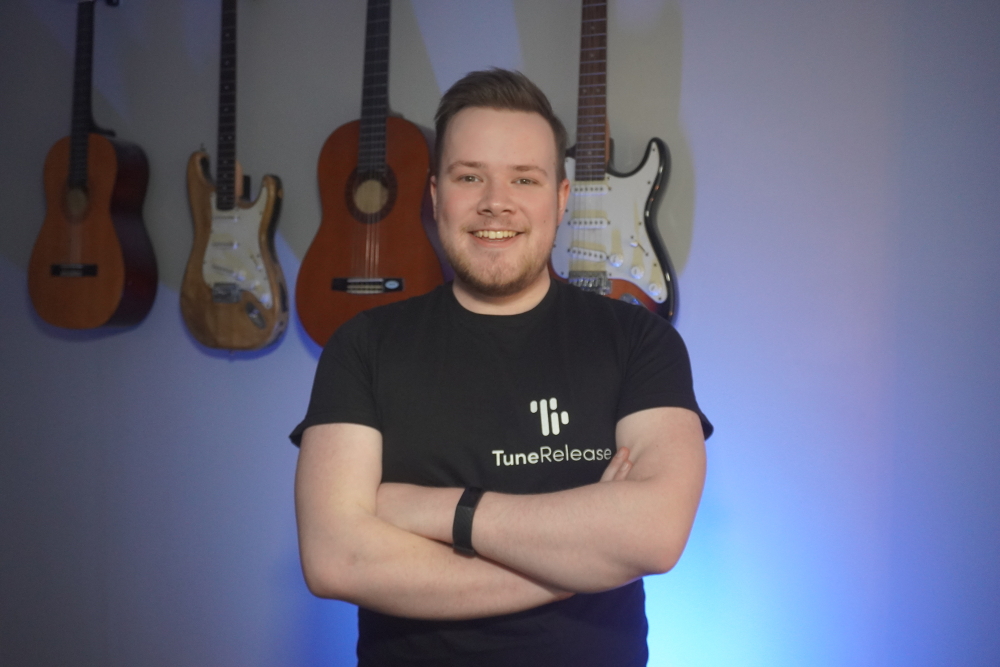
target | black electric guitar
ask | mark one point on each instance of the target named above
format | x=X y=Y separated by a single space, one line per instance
x=92 y=264
x=608 y=241
x=233 y=295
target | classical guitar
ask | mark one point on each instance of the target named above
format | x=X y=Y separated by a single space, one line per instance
x=233 y=295
x=608 y=241
x=371 y=247
x=92 y=264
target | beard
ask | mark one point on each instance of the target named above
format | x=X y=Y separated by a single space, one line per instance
x=495 y=278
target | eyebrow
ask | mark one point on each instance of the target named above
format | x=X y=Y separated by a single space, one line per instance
x=462 y=163
x=521 y=168
x=529 y=167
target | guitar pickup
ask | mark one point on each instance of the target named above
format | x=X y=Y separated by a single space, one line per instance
x=577 y=252
x=589 y=223
x=74 y=270
x=587 y=188
x=367 y=285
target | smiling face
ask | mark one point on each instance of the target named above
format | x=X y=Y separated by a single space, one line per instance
x=497 y=201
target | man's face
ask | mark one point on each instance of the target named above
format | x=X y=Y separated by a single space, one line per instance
x=496 y=199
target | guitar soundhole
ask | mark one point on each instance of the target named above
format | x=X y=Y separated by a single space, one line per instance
x=370 y=194
x=76 y=203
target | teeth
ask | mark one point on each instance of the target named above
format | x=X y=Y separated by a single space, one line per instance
x=494 y=234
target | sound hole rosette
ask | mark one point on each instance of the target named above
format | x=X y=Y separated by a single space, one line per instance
x=370 y=194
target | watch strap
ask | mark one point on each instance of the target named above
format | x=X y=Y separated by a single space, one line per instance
x=461 y=529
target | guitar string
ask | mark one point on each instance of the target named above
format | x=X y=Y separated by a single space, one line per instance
x=376 y=74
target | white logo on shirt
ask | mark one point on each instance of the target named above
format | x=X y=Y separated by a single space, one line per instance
x=550 y=418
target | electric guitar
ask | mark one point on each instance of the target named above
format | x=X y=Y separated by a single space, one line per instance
x=608 y=241
x=92 y=264
x=371 y=247
x=233 y=295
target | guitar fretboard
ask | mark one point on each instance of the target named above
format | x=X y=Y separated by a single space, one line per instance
x=591 y=110
x=82 y=121
x=225 y=173
x=375 y=90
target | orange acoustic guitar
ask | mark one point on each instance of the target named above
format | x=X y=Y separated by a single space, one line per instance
x=92 y=264
x=233 y=296
x=371 y=247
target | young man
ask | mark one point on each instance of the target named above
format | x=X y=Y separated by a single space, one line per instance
x=574 y=412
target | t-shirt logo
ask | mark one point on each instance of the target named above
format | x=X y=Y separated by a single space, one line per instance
x=550 y=418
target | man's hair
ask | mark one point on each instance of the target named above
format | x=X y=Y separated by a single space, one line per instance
x=498 y=89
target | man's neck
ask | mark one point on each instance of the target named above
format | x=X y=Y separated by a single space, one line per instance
x=521 y=302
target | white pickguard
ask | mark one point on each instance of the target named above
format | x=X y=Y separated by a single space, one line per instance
x=604 y=230
x=233 y=254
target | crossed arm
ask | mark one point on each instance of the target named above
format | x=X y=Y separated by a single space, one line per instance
x=385 y=546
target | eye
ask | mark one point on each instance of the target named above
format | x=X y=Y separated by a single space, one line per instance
x=468 y=178
x=525 y=181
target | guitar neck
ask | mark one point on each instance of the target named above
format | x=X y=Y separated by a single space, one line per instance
x=591 y=110
x=375 y=89
x=225 y=176
x=82 y=121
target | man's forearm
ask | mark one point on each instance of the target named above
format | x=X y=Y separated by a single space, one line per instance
x=402 y=574
x=587 y=539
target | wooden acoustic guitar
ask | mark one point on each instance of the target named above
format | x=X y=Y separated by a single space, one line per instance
x=233 y=295
x=371 y=247
x=92 y=264
x=608 y=241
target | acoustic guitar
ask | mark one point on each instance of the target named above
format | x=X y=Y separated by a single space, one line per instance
x=608 y=241
x=371 y=247
x=233 y=295
x=92 y=264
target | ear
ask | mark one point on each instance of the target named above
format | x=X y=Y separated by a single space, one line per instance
x=562 y=194
x=434 y=195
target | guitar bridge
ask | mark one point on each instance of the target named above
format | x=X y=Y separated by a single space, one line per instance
x=74 y=270
x=591 y=281
x=367 y=285
x=225 y=293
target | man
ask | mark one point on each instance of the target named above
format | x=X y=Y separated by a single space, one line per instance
x=573 y=411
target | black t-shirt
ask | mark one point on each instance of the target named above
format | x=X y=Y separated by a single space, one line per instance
x=523 y=403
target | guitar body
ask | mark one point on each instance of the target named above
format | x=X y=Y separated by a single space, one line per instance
x=93 y=263
x=233 y=295
x=608 y=241
x=392 y=247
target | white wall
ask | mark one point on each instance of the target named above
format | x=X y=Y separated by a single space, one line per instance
x=834 y=210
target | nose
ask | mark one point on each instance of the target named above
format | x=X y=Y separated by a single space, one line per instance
x=496 y=200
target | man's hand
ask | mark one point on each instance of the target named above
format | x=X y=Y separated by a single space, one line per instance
x=619 y=466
